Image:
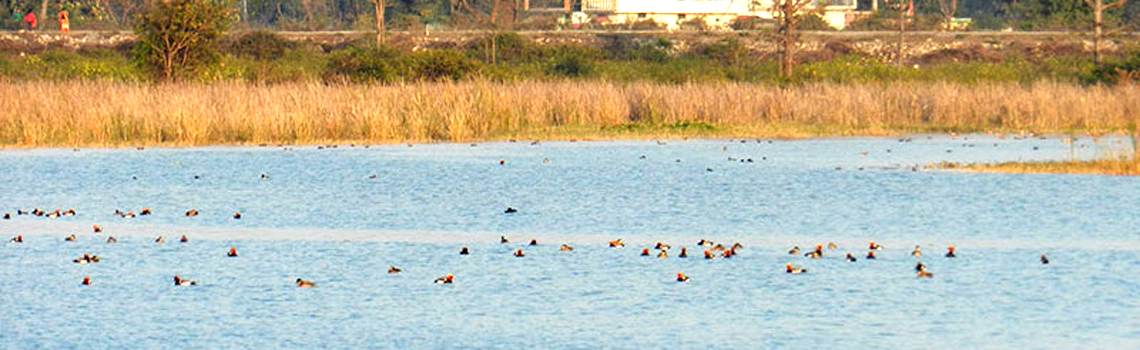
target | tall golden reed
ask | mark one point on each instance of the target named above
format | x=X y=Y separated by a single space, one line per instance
x=34 y=114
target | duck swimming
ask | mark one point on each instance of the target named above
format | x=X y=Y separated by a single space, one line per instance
x=704 y=243
x=684 y=253
x=709 y=255
x=237 y=216
x=682 y=278
x=192 y=212
x=145 y=211
x=850 y=258
x=463 y=251
x=159 y=240
x=917 y=252
x=874 y=246
x=83 y=259
x=519 y=253
x=870 y=254
x=504 y=240
x=919 y=267
x=1044 y=260
x=618 y=243
x=96 y=228
x=178 y=281
x=184 y=239
x=729 y=253
x=393 y=269
x=70 y=238
x=795 y=270
x=18 y=239
x=950 y=252
x=645 y=252
x=449 y=279
x=533 y=242
x=305 y=284
x=661 y=246
x=510 y=210
x=86 y=281
x=795 y=250
x=111 y=239
x=832 y=246
x=232 y=253
x=662 y=254
x=565 y=247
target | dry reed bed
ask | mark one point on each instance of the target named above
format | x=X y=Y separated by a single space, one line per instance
x=115 y=114
x=1116 y=167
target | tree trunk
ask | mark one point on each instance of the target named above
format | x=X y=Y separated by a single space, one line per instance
x=43 y=15
x=1098 y=17
x=379 y=22
x=787 y=59
x=902 y=29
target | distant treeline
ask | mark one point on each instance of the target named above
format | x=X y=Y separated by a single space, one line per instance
x=465 y=14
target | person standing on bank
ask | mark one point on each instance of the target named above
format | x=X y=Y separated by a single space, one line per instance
x=64 y=23
x=30 y=19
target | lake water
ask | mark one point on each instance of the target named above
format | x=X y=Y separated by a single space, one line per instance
x=322 y=216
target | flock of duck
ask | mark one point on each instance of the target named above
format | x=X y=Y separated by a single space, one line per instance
x=711 y=250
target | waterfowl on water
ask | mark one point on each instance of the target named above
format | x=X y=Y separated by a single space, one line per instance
x=662 y=254
x=70 y=238
x=736 y=246
x=178 y=281
x=111 y=239
x=445 y=279
x=502 y=162
x=709 y=255
x=645 y=252
x=850 y=258
x=919 y=267
x=504 y=240
x=950 y=252
x=684 y=253
x=729 y=253
x=661 y=246
x=184 y=239
x=305 y=284
x=795 y=270
x=682 y=278
x=870 y=254
x=7 y=216
x=917 y=252
x=1044 y=260
x=96 y=228
x=463 y=251
x=237 y=216
x=17 y=239
x=84 y=259
x=69 y=212
x=192 y=212
x=264 y=176
x=618 y=243
x=519 y=253
x=86 y=281
x=533 y=242
x=37 y=212
x=393 y=269
x=832 y=246
x=704 y=243
x=874 y=246
x=54 y=214
x=510 y=210
x=159 y=240
x=924 y=274
x=565 y=248
x=795 y=250
x=232 y=253
x=718 y=247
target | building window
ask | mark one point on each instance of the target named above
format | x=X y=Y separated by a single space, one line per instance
x=641 y=16
x=680 y=17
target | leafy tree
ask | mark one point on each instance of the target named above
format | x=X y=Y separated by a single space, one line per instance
x=177 y=36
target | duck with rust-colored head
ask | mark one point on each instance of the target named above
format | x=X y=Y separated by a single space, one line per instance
x=305 y=284
x=519 y=253
x=1044 y=260
x=795 y=251
x=682 y=278
x=645 y=252
x=17 y=239
x=917 y=252
x=795 y=270
x=232 y=253
x=449 y=279
x=566 y=248
x=870 y=254
x=617 y=243
x=684 y=253
x=464 y=251
x=393 y=269
x=70 y=238
x=850 y=258
x=179 y=281
x=950 y=252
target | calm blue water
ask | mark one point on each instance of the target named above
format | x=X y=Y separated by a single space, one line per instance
x=320 y=216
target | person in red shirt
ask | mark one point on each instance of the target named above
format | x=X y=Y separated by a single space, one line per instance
x=64 y=23
x=30 y=19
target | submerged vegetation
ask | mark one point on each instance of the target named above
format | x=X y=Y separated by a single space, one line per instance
x=100 y=113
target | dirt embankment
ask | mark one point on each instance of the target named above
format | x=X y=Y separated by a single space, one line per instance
x=921 y=47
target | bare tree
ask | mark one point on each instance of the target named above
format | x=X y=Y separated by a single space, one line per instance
x=905 y=9
x=948 y=8
x=1098 y=7
x=788 y=14
x=379 y=21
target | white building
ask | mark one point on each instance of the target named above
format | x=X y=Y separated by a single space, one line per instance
x=715 y=13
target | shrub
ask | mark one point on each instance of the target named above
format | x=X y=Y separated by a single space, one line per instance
x=178 y=36
x=261 y=45
x=362 y=64
x=573 y=61
x=440 y=65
